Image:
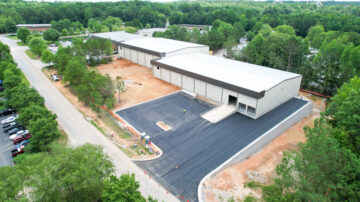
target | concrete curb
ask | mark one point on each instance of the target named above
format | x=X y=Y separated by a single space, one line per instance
x=133 y=131
x=119 y=109
x=258 y=144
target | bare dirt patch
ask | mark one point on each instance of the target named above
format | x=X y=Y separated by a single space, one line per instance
x=140 y=84
x=230 y=182
x=163 y=125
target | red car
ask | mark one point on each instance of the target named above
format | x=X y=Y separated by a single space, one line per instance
x=17 y=151
x=21 y=138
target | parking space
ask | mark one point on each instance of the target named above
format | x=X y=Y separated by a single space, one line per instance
x=6 y=146
x=194 y=147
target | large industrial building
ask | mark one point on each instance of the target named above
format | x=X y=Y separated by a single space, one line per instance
x=249 y=89
x=253 y=89
x=143 y=50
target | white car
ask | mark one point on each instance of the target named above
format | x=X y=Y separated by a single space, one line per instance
x=54 y=77
x=9 y=119
x=21 y=132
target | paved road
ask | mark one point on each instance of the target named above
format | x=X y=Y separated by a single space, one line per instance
x=79 y=130
x=194 y=147
x=6 y=146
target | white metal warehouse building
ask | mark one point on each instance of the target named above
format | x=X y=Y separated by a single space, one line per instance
x=116 y=37
x=253 y=89
x=143 y=50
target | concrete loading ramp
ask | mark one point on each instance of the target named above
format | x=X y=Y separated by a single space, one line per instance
x=219 y=113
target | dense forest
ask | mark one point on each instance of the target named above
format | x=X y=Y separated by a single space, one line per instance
x=319 y=42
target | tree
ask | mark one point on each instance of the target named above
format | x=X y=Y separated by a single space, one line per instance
x=123 y=189
x=343 y=114
x=215 y=39
x=11 y=80
x=21 y=96
x=315 y=36
x=321 y=171
x=11 y=183
x=47 y=56
x=96 y=90
x=37 y=45
x=66 y=174
x=22 y=34
x=64 y=32
x=44 y=131
x=10 y=25
x=75 y=70
x=51 y=35
x=62 y=58
x=34 y=112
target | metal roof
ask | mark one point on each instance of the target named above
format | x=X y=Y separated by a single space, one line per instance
x=33 y=25
x=159 y=45
x=119 y=36
x=252 y=80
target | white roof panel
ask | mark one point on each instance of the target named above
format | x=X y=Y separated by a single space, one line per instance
x=161 y=45
x=33 y=25
x=245 y=75
x=119 y=36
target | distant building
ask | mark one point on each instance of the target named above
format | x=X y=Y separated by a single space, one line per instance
x=190 y=27
x=143 y=50
x=35 y=27
x=116 y=37
x=149 y=32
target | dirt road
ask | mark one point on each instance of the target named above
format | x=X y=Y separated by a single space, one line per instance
x=80 y=131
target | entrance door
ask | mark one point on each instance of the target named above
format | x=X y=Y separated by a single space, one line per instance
x=232 y=100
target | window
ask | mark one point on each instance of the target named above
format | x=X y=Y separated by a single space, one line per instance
x=242 y=107
x=157 y=68
x=251 y=111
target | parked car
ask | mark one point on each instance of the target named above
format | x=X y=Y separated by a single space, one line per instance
x=22 y=144
x=7 y=130
x=15 y=130
x=21 y=132
x=17 y=151
x=21 y=138
x=9 y=119
x=8 y=125
x=54 y=77
x=6 y=112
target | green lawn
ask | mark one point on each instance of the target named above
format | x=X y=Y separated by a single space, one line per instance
x=113 y=124
x=20 y=43
x=32 y=55
x=13 y=37
x=24 y=79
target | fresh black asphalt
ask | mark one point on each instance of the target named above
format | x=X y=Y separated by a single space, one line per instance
x=195 y=147
x=169 y=109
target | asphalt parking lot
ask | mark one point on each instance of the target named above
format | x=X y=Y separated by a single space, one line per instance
x=195 y=147
x=168 y=109
x=6 y=146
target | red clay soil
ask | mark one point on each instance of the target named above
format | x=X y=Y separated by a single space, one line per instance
x=140 y=83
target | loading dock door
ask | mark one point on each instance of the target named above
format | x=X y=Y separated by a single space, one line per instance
x=232 y=100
